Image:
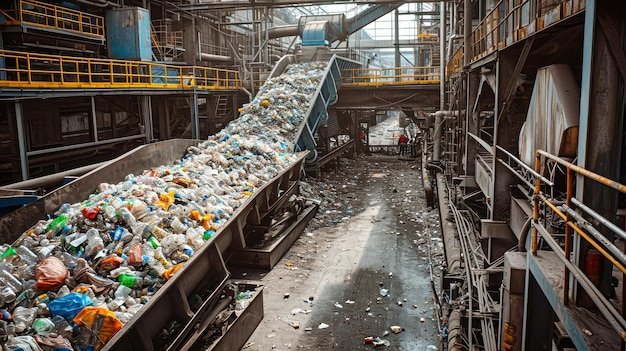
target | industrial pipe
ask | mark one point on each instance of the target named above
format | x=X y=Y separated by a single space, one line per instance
x=50 y=179
x=283 y=31
x=451 y=244
x=467 y=33
x=97 y=3
x=442 y=59
x=451 y=40
x=523 y=235
x=215 y=58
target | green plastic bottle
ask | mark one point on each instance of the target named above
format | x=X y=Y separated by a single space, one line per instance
x=128 y=279
x=10 y=251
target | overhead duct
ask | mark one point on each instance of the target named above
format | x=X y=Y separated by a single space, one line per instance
x=283 y=31
x=336 y=28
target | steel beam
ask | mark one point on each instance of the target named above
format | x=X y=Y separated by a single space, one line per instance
x=21 y=139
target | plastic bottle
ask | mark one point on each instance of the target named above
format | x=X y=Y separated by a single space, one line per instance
x=57 y=225
x=157 y=266
x=23 y=317
x=8 y=252
x=62 y=327
x=7 y=295
x=26 y=255
x=122 y=291
x=43 y=325
x=116 y=235
x=127 y=217
x=133 y=281
x=45 y=251
x=158 y=232
x=68 y=260
x=110 y=213
x=94 y=242
x=178 y=226
x=9 y=280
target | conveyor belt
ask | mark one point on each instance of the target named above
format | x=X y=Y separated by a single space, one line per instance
x=325 y=95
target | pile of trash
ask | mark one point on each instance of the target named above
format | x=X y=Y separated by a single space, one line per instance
x=73 y=281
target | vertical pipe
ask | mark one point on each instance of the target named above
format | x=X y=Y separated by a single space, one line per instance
x=437 y=136
x=467 y=32
x=442 y=52
x=396 y=43
x=146 y=112
x=623 y=344
x=195 y=119
x=536 y=203
x=568 y=234
x=21 y=140
x=94 y=121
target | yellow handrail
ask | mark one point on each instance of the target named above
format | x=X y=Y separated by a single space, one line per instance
x=39 y=71
x=574 y=226
x=390 y=76
x=50 y=16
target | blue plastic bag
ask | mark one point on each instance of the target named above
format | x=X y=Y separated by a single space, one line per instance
x=69 y=305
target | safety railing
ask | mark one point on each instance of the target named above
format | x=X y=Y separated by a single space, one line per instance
x=50 y=16
x=38 y=71
x=168 y=42
x=259 y=78
x=390 y=76
x=512 y=20
x=485 y=35
x=455 y=64
x=572 y=213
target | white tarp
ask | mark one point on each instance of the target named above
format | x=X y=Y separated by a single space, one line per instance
x=552 y=119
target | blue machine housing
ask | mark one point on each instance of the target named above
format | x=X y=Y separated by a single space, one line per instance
x=128 y=34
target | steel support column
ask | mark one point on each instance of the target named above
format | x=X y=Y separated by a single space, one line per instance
x=442 y=55
x=603 y=126
x=94 y=120
x=467 y=33
x=21 y=140
x=146 y=114
x=195 y=116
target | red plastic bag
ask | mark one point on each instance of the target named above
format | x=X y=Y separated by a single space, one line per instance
x=50 y=274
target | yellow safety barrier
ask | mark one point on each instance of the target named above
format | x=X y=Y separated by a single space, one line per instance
x=50 y=16
x=390 y=76
x=38 y=71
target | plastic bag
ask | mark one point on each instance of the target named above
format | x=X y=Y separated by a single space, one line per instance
x=50 y=274
x=101 y=323
x=22 y=343
x=54 y=342
x=69 y=305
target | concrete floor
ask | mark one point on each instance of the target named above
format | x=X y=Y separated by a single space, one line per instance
x=380 y=240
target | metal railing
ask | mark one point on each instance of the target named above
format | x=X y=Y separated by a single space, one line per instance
x=49 y=16
x=390 y=76
x=569 y=212
x=512 y=20
x=38 y=71
x=167 y=41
